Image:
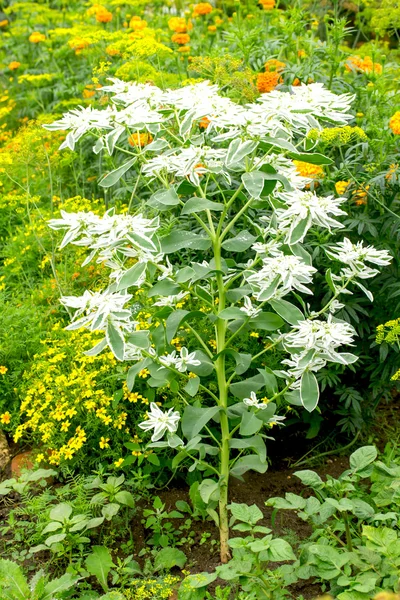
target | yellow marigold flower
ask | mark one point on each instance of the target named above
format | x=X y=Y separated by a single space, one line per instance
x=183 y=50
x=14 y=64
x=306 y=169
x=5 y=418
x=118 y=462
x=140 y=139
x=137 y=24
x=204 y=123
x=212 y=28
x=180 y=38
x=37 y=37
x=301 y=53
x=4 y=23
x=360 y=195
x=203 y=8
x=144 y=373
x=363 y=65
x=394 y=123
x=266 y=82
x=267 y=4
x=104 y=442
x=3 y=370
x=341 y=187
x=274 y=65
x=178 y=25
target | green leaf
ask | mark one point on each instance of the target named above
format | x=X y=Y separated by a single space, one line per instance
x=131 y=276
x=205 y=368
x=314 y=158
x=192 y=386
x=243 y=388
x=280 y=550
x=309 y=391
x=12 y=577
x=267 y=321
x=249 y=424
x=250 y=462
x=177 y=318
x=245 y=513
x=238 y=150
x=140 y=339
x=167 y=558
x=115 y=341
x=63 y=583
x=114 y=176
x=287 y=311
x=55 y=539
x=125 y=498
x=198 y=580
x=310 y=478
x=195 y=205
x=241 y=242
x=164 y=199
x=99 y=564
x=165 y=287
x=252 y=443
x=209 y=490
x=254 y=183
x=232 y=312
x=194 y=419
x=184 y=239
x=61 y=512
x=134 y=370
x=362 y=458
x=297 y=233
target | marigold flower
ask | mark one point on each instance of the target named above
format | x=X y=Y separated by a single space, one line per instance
x=341 y=187
x=212 y=28
x=274 y=65
x=140 y=139
x=4 y=23
x=88 y=93
x=266 y=82
x=392 y=173
x=203 y=8
x=179 y=25
x=184 y=49
x=137 y=24
x=3 y=370
x=394 y=123
x=267 y=4
x=360 y=195
x=301 y=53
x=296 y=82
x=14 y=64
x=180 y=38
x=104 y=442
x=306 y=169
x=363 y=65
x=204 y=123
x=5 y=418
x=37 y=37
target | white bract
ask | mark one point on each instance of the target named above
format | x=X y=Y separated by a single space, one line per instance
x=160 y=422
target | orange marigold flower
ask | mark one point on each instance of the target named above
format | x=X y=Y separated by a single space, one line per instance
x=212 y=28
x=14 y=64
x=78 y=44
x=267 y=4
x=301 y=53
x=4 y=23
x=112 y=51
x=266 y=82
x=203 y=8
x=140 y=139
x=204 y=123
x=394 y=123
x=37 y=37
x=103 y=16
x=296 y=82
x=5 y=418
x=181 y=38
x=306 y=169
x=88 y=93
x=341 y=187
x=360 y=195
x=363 y=65
x=274 y=65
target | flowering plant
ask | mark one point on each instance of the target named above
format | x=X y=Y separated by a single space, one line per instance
x=219 y=215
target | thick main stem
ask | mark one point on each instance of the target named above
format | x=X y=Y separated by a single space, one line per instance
x=223 y=403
